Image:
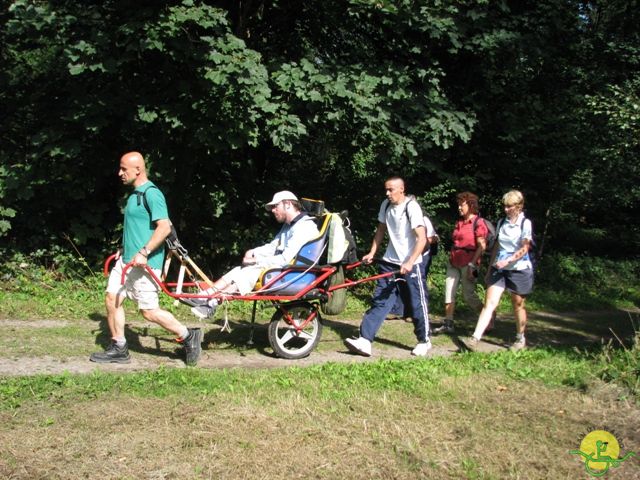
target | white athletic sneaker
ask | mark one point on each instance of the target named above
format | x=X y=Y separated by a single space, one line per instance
x=470 y=343
x=519 y=344
x=205 y=310
x=359 y=345
x=422 y=349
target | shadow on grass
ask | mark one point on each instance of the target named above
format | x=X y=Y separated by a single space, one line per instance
x=545 y=330
x=134 y=334
x=575 y=329
x=348 y=330
x=243 y=336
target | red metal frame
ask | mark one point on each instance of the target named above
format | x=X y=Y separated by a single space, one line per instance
x=322 y=272
x=287 y=316
x=350 y=283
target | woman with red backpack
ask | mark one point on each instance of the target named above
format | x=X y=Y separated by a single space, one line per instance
x=469 y=243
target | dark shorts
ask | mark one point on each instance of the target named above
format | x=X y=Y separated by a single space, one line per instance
x=519 y=282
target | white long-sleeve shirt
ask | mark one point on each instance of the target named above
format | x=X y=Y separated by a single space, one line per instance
x=287 y=243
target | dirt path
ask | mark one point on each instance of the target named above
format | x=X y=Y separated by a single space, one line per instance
x=209 y=360
x=544 y=329
x=145 y=358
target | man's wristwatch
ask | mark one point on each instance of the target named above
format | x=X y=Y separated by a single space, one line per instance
x=145 y=251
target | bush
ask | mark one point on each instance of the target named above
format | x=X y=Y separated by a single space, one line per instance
x=572 y=281
x=54 y=263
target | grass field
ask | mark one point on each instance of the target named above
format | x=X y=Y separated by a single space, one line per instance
x=244 y=414
x=473 y=416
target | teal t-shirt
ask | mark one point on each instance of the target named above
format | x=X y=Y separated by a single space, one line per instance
x=138 y=226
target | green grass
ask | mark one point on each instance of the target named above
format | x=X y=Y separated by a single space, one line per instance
x=468 y=416
x=261 y=424
x=33 y=293
x=333 y=381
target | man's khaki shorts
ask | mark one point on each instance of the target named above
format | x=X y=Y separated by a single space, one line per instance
x=138 y=286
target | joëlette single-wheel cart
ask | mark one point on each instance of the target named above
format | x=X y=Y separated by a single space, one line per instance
x=315 y=282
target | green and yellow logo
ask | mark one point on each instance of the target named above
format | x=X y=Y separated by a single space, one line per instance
x=600 y=451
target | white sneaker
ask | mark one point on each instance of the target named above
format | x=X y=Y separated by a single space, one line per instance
x=519 y=344
x=422 y=349
x=471 y=343
x=205 y=310
x=359 y=345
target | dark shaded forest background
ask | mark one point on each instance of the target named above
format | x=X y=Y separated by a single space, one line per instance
x=230 y=101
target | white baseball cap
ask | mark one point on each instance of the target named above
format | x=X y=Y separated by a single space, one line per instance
x=279 y=197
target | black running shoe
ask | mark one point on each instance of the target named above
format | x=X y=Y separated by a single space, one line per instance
x=113 y=354
x=192 y=347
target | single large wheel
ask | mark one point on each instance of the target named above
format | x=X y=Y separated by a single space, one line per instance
x=290 y=334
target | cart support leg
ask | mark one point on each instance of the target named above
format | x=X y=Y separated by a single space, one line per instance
x=253 y=322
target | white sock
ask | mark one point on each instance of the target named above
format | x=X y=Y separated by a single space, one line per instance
x=184 y=333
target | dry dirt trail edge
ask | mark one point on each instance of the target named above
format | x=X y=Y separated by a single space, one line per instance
x=551 y=329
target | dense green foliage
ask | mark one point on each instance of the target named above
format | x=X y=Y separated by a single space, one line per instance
x=231 y=101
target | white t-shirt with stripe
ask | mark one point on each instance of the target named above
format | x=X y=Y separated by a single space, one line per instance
x=400 y=226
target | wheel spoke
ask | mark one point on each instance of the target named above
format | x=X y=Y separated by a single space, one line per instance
x=287 y=336
x=306 y=335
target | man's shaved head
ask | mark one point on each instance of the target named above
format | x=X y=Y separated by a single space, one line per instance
x=132 y=169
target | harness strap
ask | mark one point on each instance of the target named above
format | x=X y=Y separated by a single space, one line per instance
x=226 y=327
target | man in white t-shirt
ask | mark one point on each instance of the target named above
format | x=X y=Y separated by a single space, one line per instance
x=401 y=218
x=402 y=308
